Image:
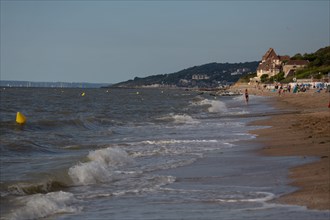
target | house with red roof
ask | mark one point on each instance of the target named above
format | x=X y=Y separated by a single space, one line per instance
x=271 y=63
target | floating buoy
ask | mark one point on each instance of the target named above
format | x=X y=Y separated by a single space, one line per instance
x=137 y=93
x=20 y=118
x=83 y=94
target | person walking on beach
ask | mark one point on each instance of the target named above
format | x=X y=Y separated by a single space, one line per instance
x=246 y=96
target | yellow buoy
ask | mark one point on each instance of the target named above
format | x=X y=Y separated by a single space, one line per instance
x=20 y=118
x=83 y=94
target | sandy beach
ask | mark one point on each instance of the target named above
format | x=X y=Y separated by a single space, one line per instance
x=303 y=130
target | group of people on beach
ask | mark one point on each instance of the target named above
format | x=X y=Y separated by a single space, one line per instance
x=294 y=88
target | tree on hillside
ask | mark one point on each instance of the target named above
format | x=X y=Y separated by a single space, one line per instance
x=264 y=78
x=298 y=56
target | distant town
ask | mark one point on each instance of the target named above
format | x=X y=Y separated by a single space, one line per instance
x=9 y=83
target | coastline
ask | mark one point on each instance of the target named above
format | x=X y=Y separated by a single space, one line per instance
x=303 y=132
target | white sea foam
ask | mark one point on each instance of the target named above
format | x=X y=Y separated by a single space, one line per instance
x=144 y=184
x=149 y=184
x=240 y=98
x=101 y=166
x=173 y=147
x=215 y=105
x=179 y=119
x=239 y=112
x=184 y=119
x=174 y=141
x=259 y=197
x=44 y=205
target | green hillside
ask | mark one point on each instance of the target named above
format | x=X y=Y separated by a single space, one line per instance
x=319 y=64
x=217 y=73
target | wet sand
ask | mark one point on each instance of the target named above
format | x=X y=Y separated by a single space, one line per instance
x=303 y=130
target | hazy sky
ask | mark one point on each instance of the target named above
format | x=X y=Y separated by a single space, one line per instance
x=113 y=41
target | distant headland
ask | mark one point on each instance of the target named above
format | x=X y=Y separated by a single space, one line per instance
x=209 y=75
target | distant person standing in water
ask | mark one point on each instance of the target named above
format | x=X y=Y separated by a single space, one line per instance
x=246 y=96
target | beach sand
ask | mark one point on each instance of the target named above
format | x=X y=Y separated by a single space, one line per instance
x=302 y=130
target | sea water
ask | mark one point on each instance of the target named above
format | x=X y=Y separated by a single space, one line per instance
x=138 y=154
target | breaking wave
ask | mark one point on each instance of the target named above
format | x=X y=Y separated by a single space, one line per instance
x=100 y=167
x=34 y=188
x=44 y=205
x=214 y=105
x=179 y=119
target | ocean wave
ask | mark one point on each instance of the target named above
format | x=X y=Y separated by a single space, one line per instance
x=169 y=164
x=100 y=167
x=212 y=196
x=215 y=106
x=178 y=119
x=47 y=124
x=135 y=186
x=34 y=188
x=45 y=205
x=239 y=111
x=258 y=197
x=177 y=148
x=58 y=124
x=148 y=184
x=175 y=141
x=171 y=147
x=23 y=146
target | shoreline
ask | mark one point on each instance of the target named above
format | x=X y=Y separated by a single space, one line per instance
x=304 y=132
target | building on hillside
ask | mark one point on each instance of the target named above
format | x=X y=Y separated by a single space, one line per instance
x=292 y=65
x=240 y=71
x=271 y=63
x=200 y=76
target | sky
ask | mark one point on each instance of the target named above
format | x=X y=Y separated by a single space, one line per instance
x=114 y=41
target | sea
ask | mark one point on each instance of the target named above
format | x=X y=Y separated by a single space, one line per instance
x=144 y=154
